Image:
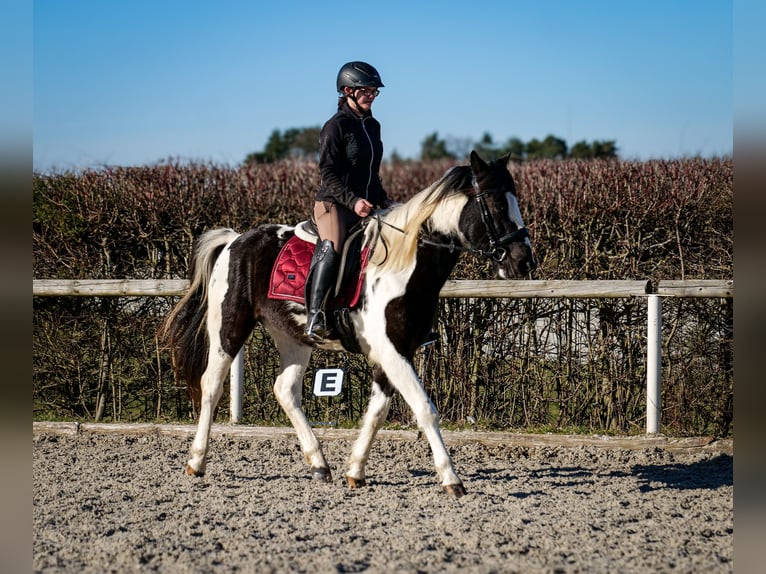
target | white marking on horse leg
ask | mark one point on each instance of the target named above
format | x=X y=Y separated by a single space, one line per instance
x=403 y=377
x=212 y=387
x=211 y=383
x=293 y=358
x=376 y=414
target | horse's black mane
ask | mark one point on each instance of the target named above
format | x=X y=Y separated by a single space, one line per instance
x=461 y=178
x=456 y=179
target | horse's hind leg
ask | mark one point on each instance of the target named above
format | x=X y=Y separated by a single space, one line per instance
x=229 y=323
x=377 y=410
x=293 y=358
x=212 y=387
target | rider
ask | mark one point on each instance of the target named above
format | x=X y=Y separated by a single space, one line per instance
x=350 y=151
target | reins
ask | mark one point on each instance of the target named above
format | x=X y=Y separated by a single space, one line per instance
x=376 y=217
x=496 y=253
x=497 y=244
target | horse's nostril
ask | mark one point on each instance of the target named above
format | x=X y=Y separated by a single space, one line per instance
x=529 y=266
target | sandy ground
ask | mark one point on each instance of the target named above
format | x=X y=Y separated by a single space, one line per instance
x=121 y=503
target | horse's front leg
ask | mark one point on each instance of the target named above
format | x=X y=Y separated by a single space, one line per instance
x=294 y=358
x=377 y=410
x=403 y=377
x=212 y=387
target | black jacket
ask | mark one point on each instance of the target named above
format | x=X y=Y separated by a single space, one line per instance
x=350 y=151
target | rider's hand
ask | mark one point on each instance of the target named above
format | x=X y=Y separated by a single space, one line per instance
x=362 y=207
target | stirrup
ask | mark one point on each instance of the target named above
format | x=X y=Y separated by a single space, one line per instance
x=316 y=327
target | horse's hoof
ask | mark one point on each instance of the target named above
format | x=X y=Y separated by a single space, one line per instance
x=456 y=490
x=322 y=474
x=355 y=482
x=191 y=472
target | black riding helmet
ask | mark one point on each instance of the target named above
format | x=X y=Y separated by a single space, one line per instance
x=358 y=75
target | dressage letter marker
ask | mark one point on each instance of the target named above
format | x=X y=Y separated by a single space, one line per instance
x=328 y=382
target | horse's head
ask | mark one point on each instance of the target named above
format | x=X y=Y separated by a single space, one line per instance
x=492 y=220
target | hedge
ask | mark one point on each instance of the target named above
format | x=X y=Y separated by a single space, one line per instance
x=547 y=364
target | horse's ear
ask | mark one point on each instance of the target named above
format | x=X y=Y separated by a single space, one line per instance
x=478 y=165
x=510 y=159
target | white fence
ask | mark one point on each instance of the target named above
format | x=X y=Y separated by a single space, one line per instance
x=653 y=293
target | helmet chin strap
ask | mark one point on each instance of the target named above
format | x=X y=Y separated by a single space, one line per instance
x=357 y=108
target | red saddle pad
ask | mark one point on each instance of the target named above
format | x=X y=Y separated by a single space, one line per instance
x=288 y=276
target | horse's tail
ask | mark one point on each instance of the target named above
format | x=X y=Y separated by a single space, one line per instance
x=184 y=330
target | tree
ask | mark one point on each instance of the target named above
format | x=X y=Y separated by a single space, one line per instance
x=534 y=149
x=277 y=145
x=550 y=148
x=486 y=148
x=434 y=148
x=605 y=149
x=459 y=147
x=515 y=147
x=294 y=142
x=597 y=149
x=581 y=150
x=554 y=148
x=305 y=142
x=275 y=148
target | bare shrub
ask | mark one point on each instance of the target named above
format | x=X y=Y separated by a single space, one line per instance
x=537 y=363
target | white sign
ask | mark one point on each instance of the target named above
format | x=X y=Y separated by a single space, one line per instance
x=328 y=382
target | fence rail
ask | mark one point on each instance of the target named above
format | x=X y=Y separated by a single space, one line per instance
x=523 y=289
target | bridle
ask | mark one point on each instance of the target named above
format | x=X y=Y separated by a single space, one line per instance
x=497 y=245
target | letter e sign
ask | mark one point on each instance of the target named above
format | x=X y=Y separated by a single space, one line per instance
x=328 y=382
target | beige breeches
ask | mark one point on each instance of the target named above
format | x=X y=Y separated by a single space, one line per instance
x=333 y=221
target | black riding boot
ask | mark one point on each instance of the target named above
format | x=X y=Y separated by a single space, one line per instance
x=324 y=272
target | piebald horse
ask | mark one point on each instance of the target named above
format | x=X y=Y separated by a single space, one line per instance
x=412 y=249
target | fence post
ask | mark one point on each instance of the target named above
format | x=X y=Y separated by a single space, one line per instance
x=653 y=363
x=237 y=383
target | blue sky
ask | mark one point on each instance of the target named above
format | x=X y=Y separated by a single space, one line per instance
x=130 y=82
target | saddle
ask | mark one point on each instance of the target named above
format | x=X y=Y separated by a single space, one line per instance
x=292 y=269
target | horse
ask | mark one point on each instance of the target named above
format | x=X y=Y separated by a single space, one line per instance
x=411 y=250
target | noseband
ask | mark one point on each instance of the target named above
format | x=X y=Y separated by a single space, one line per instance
x=497 y=245
x=497 y=251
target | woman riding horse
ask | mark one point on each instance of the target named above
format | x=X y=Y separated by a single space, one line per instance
x=349 y=159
